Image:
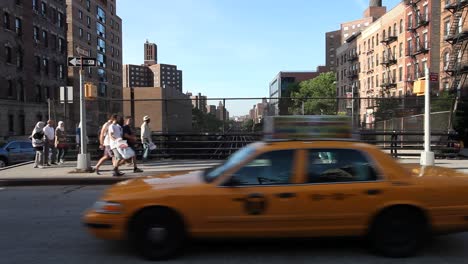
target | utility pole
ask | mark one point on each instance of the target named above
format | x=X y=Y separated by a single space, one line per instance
x=427 y=156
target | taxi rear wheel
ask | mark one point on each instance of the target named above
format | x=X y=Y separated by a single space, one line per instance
x=157 y=234
x=399 y=232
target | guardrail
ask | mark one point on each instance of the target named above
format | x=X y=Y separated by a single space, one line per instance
x=219 y=145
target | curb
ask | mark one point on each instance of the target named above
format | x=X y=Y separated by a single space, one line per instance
x=16 y=165
x=61 y=181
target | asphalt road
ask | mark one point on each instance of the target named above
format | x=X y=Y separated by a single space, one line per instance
x=42 y=225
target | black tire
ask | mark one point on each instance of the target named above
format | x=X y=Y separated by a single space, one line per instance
x=157 y=234
x=399 y=232
x=3 y=162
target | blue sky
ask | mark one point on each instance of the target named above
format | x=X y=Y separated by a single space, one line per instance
x=228 y=48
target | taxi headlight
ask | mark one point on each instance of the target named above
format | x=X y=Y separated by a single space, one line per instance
x=104 y=207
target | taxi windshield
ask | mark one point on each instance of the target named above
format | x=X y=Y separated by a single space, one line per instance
x=233 y=160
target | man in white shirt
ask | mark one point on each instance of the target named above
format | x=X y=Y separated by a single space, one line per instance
x=49 y=143
x=104 y=144
x=115 y=135
x=145 y=135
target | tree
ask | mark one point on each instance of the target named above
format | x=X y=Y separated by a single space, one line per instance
x=248 y=125
x=322 y=86
x=202 y=122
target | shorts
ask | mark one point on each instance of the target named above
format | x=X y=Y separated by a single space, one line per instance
x=117 y=155
x=108 y=151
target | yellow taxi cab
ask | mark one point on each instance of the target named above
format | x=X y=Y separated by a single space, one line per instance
x=287 y=188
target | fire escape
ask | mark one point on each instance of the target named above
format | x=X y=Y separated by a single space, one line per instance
x=387 y=61
x=457 y=66
x=415 y=47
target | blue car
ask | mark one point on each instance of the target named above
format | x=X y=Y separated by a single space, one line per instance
x=16 y=151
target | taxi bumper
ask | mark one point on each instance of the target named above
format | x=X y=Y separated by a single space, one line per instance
x=105 y=226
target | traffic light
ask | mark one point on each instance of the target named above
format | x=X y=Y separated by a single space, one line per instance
x=90 y=91
x=419 y=86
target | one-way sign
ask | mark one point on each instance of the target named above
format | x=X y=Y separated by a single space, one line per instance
x=78 y=62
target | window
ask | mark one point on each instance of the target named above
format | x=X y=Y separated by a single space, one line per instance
x=44 y=38
x=400 y=74
x=34 y=4
x=426 y=12
x=395 y=33
x=446 y=59
x=88 y=37
x=61 y=44
x=384 y=35
x=400 y=50
x=88 y=21
x=36 y=34
x=100 y=30
x=10 y=88
x=339 y=165
x=11 y=129
x=8 y=54
x=401 y=26
x=88 y=4
x=19 y=59
x=230 y=163
x=426 y=41
x=6 y=20
x=60 y=72
x=274 y=167
x=410 y=21
x=45 y=64
x=80 y=32
x=60 y=21
x=446 y=27
x=80 y=14
x=101 y=45
x=25 y=145
x=377 y=39
x=43 y=8
x=101 y=15
x=38 y=64
x=18 y=26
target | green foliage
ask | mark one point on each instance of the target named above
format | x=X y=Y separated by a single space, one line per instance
x=386 y=108
x=202 y=122
x=443 y=102
x=322 y=86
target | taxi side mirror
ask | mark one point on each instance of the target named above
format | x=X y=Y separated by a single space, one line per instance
x=233 y=181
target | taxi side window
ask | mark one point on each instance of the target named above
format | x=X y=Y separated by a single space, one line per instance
x=270 y=168
x=339 y=165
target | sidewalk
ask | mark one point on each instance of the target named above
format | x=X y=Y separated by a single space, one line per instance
x=26 y=175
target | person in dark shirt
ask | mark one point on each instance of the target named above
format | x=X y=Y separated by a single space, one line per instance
x=129 y=135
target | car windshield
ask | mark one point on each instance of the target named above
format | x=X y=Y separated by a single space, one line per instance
x=233 y=160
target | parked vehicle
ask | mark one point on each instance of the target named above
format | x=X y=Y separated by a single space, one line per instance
x=16 y=151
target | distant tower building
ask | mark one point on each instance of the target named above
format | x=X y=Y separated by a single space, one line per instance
x=151 y=54
x=375 y=3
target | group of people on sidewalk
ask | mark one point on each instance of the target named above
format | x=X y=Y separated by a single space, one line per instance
x=110 y=141
x=116 y=139
x=49 y=143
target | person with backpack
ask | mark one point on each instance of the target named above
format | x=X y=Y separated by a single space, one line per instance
x=129 y=135
x=37 y=138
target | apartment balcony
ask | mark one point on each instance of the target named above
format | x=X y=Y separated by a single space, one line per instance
x=457 y=37
x=353 y=57
x=413 y=52
x=388 y=83
x=388 y=61
x=353 y=75
x=388 y=40
x=454 y=6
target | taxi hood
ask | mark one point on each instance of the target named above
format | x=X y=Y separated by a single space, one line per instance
x=159 y=182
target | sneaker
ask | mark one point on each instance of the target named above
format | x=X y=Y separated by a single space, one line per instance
x=54 y=163
x=47 y=165
x=136 y=170
x=35 y=166
x=97 y=171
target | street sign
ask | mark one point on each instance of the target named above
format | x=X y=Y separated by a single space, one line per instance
x=82 y=52
x=78 y=62
x=66 y=94
x=434 y=77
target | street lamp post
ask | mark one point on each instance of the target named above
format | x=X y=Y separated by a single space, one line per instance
x=427 y=156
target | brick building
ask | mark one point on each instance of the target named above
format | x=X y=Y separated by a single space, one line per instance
x=95 y=30
x=32 y=62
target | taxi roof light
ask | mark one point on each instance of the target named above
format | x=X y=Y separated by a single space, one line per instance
x=307 y=127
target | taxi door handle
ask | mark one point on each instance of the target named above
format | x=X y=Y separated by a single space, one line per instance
x=286 y=195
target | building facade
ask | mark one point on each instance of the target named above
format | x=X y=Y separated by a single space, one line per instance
x=199 y=101
x=454 y=47
x=383 y=61
x=32 y=62
x=151 y=53
x=170 y=110
x=137 y=76
x=278 y=89
x=95 y=30
x=422 y=40
x=166 y=75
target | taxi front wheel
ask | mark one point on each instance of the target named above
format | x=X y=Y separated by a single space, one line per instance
x=399 y=232
x=157 y=234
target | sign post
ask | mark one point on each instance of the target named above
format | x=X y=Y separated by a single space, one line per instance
x=84 y=158
x=427 y=156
